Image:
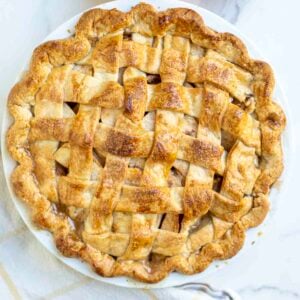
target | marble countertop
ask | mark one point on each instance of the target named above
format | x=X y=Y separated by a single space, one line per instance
x=274 y=264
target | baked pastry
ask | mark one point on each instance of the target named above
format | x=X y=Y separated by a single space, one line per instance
x=146 y=143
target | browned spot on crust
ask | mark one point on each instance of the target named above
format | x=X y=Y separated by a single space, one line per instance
x=274 y=120
x=206 y=152
x=196 y=202
x=163 y=20
x=51 y=129
x=135 y=98
x=150 y=200
x=121 y=144
x=165 y=148
x=168 y=96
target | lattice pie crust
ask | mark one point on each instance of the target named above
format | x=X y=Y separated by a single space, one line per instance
x=146 y=143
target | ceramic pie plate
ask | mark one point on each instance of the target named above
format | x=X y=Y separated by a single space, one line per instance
x=174 y=278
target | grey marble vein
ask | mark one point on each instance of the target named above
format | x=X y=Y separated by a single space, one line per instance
x=227 y=9
x=269 y=290
x=232 y=10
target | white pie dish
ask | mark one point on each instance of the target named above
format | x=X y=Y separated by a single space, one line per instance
x=174 y=279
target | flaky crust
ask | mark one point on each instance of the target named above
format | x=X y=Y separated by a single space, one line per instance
x=145 y=20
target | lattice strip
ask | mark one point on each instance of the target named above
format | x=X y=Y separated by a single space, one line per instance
x=137 y=144
x=86 y=89
x=174 y=59
x=75 y=189
x=241 y=173
x=214 y=68
x=49 y=104
x=213 y=107
x=142 y=56
x=142 y=236
x=105 y=61
x=169 y=96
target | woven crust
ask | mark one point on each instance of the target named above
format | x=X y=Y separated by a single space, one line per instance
x=145 y=20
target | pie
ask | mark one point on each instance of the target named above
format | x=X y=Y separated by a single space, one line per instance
x=146 y=143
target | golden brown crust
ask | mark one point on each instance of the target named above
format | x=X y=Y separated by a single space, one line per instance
x=226 y=64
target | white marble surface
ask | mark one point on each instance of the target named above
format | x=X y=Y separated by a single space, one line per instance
x=273 y=271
